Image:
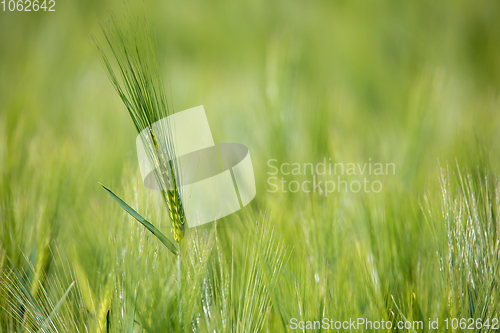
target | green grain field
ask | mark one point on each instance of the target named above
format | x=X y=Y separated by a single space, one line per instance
x=412 y=84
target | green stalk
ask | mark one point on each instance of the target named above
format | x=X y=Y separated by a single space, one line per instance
x=179 y=284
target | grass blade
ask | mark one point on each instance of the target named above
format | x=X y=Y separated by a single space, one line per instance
x=56 y=308
x=130 y=328
x=401 y=313
x=27 y=292
x=143 y=221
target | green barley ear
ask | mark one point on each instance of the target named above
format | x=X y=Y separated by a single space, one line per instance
x=175 y=212
x=136 y=77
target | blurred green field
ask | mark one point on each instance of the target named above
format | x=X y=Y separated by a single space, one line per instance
x=414 y=84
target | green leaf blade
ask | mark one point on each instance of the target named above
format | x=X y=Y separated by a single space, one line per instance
x=130 y=327
x=56 y=308
x=168 y=243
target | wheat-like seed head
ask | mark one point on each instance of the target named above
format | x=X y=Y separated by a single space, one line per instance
x=138 y=82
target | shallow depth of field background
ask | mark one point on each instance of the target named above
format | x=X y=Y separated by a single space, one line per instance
x=298 y=81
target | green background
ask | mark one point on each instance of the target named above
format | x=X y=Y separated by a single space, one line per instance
x=410 y=83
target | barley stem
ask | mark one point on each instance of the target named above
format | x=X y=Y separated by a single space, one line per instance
x=179 y=283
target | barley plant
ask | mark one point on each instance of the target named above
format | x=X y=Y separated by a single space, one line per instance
x=141 y=89
x=413 y=84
